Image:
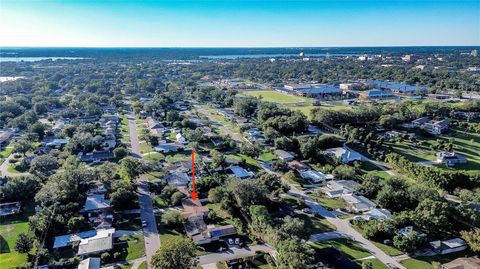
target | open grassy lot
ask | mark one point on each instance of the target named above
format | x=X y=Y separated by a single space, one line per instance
x=252 y=164
x=390 y=250
x=368 y=167
x=145 y=147
x=6 y=151
x=351 y=250
x=10 y=228
x=267 y=156
x=429 y=262
x=316 y=224
x=300 y=103
x=464 y=143
x=278 y=97
x=330 y=203
x=131 y=247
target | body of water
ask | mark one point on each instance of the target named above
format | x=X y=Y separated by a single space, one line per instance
x=36 y=59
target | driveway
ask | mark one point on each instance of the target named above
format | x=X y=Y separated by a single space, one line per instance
x=326 y=236
x=150 y=231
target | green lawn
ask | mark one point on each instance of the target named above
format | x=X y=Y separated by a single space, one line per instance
x=6 y=152
x=368 y=167
x=145 y=147
x=349 y=248
x=154 y=156
x=132 y=247
x=330 y=203
x=465 y=143
x=352 y=250
x=278 y=97
x=124 y=130
x=428 y=262
x=267 y=156
x=316 y=224
x=143 y=265
x=390 y=250
x=252 y=164
x=10 y=228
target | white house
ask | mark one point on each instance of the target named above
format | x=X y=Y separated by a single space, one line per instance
x=344 y=154
x=448 y=246
x=283 y=155
x=377 y=214
x=358 y=203
x=450 y=158
x=337 y=188
x=315 y=176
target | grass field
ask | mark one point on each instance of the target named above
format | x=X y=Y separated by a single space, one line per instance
x=267 y=156
x=278 y=97
x=10 y=228
x=124 y=130
x=330 y=203
x=429 y=262
x=132 y=247
x=368 y=167
x=6 y=151
x=390 y=250
x=352 y=250
x=465 y=143
x=252 y=164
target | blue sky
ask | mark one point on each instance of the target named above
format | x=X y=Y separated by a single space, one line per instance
x=234 y=23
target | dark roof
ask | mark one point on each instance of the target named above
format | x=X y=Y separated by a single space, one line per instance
x=322 y=89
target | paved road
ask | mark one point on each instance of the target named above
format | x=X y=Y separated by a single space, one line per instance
x=235 y=136
x=150 y=232
x=233 y=253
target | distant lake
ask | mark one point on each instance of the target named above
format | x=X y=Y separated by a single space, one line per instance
x=240 y=56
x=36 y=59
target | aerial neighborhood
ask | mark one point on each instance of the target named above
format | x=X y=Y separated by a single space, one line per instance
x=181 y=159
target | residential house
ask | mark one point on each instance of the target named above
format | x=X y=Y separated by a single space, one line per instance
x=98 y=210
x=157 y=129
x=377 y=214
x=410 y=229
x=169 y=147
x=450 y=158
x=177 y=178
x=197 y=229
x=55 y=143
x=344 y=154
x=358 y=203
x=96 y=156
x=283 y=155
x=338 y=188
x=298 y=166
x=448 y=246
x=463 y=263
x=8 y=209
x=89 y=242
x=89 y=263
x=315 y=176
x=239 y=172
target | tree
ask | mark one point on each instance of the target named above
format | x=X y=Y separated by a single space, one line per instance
x=20 y=188
x=433 y=216
x=408 y=243
x=123 y=193
x=44 y=166
x=247 y=193
x=370 y=185
x=131 y=167
x=260 y=217
x=293 y=254
x=23 y=244
x=344 y=172
x=293 y=227
x=22 y=146
x=395 y=195
x=175 y=253
x=173 y=218
x=120 y=153
x=218 y=159
x=472 y=238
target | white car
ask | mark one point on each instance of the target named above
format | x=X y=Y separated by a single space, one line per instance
x=144 y=223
